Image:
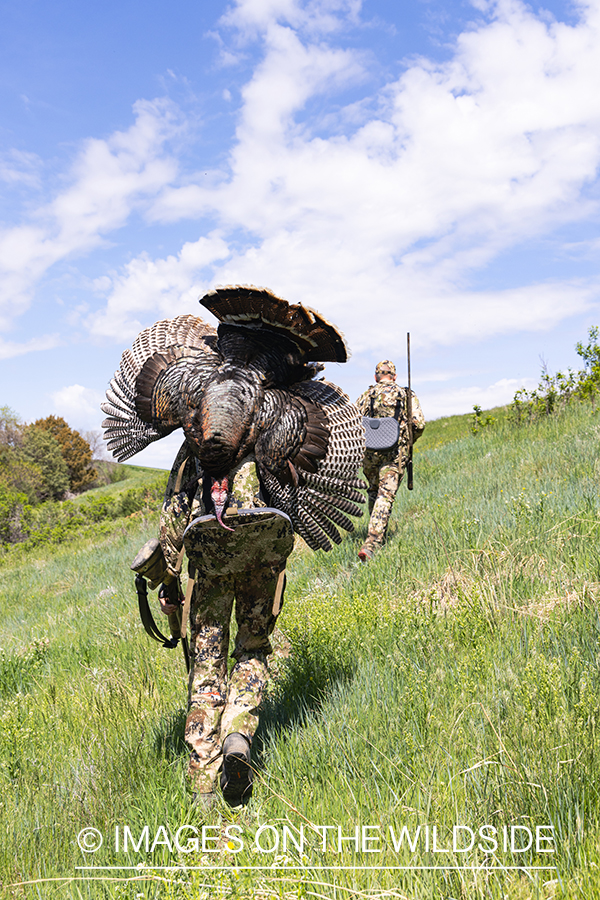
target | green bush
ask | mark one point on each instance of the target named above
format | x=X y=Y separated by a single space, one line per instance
x=43 y=450
x=54 y=523
x=13 y=507
x=554 y=392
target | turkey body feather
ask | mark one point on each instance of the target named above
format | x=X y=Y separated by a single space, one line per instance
x=247 y=391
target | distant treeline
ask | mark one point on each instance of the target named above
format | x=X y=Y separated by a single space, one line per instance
x=42 y=463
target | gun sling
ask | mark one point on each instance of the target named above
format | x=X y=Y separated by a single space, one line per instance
x=152 y=629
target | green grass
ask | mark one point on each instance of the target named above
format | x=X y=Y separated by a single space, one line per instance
x=130 y=477
x=452 y=681
x=94 y=513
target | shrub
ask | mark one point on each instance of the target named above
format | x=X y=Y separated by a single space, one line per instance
x=43 y=450
x=55 y=523
x=554 y=392
x=75 y=451
x=13 y=507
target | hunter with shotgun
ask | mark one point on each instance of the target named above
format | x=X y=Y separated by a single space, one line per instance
x=393 y=421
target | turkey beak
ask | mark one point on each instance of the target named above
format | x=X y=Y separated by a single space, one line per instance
x=219 y=493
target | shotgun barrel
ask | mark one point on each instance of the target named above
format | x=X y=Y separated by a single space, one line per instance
x=409 y=416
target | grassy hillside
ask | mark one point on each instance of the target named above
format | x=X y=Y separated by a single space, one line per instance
x=130 y=477
x=93 y=513
x=452 y=682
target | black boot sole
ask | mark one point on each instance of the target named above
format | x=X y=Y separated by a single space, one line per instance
x=236 y=777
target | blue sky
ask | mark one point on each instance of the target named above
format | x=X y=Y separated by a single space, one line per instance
x=428 y=167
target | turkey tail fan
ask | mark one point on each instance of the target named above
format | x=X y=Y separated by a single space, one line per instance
x=256 y=307
x=141 y=401
x=125 y=433
x=314 y=532
x=182 y=331
x=170 y=381
x=125 y=439
x=286 y=498
x=334 y=489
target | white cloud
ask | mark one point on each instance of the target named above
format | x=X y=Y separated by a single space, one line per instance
x=469 y=158
x=443 y=316
x=108 y=179
x=379 y=212
x=79 y=405
x=462 y=400
x=250 y=17
x=160 y=288
x=10 y=349
x=18 y=167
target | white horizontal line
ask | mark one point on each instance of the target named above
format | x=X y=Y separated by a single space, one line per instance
x=274 y=868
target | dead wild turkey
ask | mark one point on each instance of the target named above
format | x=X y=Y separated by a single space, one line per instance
x=247 y=392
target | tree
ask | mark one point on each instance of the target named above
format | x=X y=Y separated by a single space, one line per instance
x=75 y=451
x=17 y=473
x=12 y=506
x=589 y=378
x=97 y=445
x=10 y=427
x=43 y=450
x=555 y=391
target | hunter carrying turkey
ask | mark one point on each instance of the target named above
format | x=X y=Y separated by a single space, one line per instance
x=244 y=393
x=223 y=709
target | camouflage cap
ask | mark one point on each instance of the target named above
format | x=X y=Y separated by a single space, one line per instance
x=386 y=366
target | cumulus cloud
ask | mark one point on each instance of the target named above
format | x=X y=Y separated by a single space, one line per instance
x=380 y=211
x=454 y=402
x=165 y=287
x=79 y=405
x=452 y=164
x=251 y=17
x=108 y=179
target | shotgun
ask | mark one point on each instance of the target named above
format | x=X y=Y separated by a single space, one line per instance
x=409 y=462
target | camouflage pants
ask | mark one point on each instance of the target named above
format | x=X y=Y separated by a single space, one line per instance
x=383 y=472
x=220 y=704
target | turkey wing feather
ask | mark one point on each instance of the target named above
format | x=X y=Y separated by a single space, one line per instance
x=165 y=370
x=313 y=432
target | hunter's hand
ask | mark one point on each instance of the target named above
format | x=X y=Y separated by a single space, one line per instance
x=166 y=601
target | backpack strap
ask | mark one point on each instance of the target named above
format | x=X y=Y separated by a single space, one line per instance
x=185 y=613
x=279 y=589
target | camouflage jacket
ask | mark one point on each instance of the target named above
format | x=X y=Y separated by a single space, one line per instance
x=384 y=396
x=184 y=502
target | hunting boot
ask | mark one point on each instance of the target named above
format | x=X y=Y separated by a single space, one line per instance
x=367 y=551
x=374 y=542
x=237 y=774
